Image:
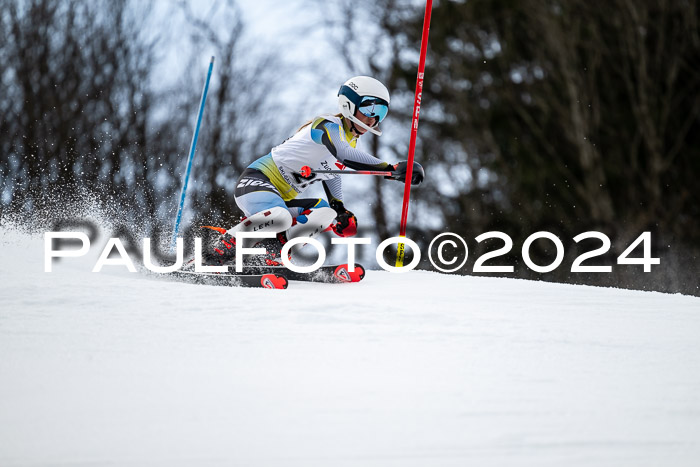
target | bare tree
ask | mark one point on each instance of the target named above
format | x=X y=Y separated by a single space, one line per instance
x=75 y=111
x=564 y=116
x=240 y=121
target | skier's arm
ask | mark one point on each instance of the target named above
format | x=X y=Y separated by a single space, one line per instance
x=346 y=225
x=334 y=189
x=331 y=135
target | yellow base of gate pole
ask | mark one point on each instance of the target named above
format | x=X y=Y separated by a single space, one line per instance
x=400 y=253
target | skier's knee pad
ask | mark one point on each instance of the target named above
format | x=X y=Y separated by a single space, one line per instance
x=313 y=223
x=276 y=219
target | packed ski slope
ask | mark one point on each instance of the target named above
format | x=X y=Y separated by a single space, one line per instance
x=416 y=369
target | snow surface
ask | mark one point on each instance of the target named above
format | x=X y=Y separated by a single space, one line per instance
x=417 y=369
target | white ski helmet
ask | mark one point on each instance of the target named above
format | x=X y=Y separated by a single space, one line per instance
x=367 y=95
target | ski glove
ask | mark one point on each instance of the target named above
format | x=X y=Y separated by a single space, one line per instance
x=346 y=222
x=399 y=173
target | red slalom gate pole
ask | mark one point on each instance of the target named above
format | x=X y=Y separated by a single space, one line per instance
x=414 y=130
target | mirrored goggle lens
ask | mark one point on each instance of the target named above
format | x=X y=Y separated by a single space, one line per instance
x=374 y=107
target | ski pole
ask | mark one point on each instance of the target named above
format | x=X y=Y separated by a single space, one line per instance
x=306 y=172
x=414 y=129
x=193 y=146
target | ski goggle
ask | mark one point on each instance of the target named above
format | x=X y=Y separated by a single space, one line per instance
x=373 y=107
x=369 y=106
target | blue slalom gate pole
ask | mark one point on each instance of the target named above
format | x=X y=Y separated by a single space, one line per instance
x=193 y=146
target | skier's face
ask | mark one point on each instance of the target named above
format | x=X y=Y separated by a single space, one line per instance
x=369 y=121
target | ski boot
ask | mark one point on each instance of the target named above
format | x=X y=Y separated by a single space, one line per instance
x=223 y=250
x=274 y=246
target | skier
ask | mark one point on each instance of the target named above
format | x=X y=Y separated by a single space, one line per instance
x=267 y=191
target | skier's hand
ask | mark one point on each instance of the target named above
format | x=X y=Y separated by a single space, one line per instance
x=346 y=222
x=399 y=173
x=346 y=225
